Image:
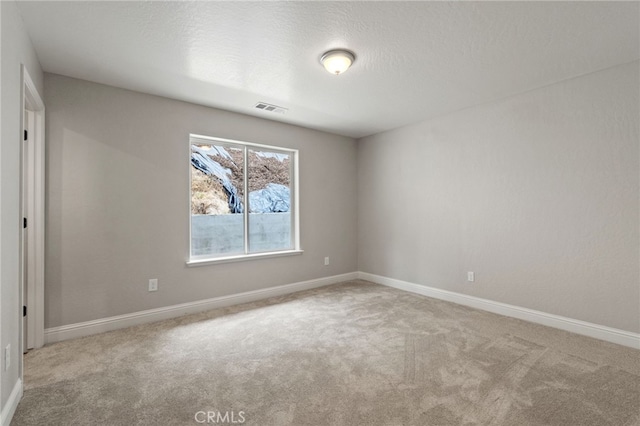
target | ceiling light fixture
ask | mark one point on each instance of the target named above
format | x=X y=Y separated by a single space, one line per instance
x=337 y=61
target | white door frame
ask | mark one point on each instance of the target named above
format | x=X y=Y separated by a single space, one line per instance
x=35 y=205
x=28 y=237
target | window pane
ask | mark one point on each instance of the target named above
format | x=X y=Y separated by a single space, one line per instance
x=269 y=200
x=242 y=198
x=217 y=185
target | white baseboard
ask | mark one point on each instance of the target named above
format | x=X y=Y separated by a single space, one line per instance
x=9 y=408
x=601 y=332
x=73 y=331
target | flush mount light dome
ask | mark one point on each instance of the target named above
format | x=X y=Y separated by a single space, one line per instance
x=337 y=61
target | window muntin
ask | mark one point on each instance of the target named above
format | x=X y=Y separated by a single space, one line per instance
x=228 y=175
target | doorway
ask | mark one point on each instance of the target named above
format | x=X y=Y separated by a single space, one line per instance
x=32 y=210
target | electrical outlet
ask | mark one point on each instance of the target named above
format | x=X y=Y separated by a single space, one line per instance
x=326 y=261
x=7 y=357
x=153 y=284
x=471 y=276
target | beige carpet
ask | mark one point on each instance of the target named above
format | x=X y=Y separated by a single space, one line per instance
x=350 y=354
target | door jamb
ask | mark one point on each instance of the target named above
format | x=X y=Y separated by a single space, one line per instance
x=32 y=101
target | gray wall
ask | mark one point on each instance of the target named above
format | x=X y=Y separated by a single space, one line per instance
x=537 y=194
x=118 y=202
x=16 y=50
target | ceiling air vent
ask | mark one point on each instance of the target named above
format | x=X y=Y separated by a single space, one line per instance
x=271 y=108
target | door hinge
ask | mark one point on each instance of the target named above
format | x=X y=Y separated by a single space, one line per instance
x=24 y=311
x=26 y=135
x=24 y=222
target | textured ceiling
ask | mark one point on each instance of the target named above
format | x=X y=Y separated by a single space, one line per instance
x=415 y=60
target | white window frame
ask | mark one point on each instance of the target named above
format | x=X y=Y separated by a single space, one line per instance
x=294 y=204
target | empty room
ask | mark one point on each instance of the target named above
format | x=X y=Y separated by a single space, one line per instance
x=319 y=213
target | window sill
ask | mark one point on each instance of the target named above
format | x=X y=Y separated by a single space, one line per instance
x=242 y=257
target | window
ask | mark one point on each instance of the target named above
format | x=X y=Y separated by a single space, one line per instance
x=243 y=200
